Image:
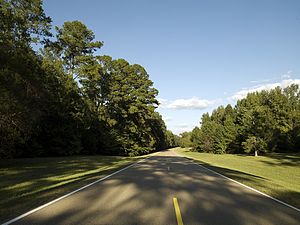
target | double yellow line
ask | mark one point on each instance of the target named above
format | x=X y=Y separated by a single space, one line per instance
x=177 y=212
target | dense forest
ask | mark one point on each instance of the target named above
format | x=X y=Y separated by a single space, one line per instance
x=266 y=121
x=64 y=98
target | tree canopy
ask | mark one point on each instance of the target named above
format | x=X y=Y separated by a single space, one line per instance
x=266 y=121
x=67 y=99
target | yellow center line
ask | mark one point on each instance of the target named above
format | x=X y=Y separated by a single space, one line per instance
x=177 y=212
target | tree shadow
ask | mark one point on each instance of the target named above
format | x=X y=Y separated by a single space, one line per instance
x=290 y=197
x=234 y=174
x=143 y=194
x=27 y=183
x=291 y=159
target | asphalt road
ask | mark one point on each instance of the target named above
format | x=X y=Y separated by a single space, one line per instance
x=143 y=194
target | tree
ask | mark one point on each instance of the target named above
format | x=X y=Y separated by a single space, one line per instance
x=65 y=112
x=217 y=132
x=254 y=144
x=67 y=100
x=263 y=121
x=74 y=44
x=73 y=50
x=163 y=138
x=130 y=104
x=22 y=22
x=22 y=84
x=185 y=140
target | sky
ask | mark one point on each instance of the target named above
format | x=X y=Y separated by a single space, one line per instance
x=200 y=54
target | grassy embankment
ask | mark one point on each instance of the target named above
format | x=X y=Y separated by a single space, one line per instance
x=29 y=183
x=277 y=175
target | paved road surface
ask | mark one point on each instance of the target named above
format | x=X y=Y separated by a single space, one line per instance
x=143 y=194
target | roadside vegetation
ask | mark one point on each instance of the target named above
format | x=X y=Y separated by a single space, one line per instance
x=265 y=121
x=30 y=182
x=275 y=174
x=67 y=99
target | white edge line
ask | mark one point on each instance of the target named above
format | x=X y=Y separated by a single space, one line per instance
x=73 y=192
x=252 y=189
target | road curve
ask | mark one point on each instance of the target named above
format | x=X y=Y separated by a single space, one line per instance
x=144 y=194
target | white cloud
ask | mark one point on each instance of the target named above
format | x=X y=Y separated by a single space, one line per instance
x=183 y=125
x=191 y=103
x=167 y=119
x=283 y=84
x=162 y=102
x=180 y=130
x=260 y=81
x=288 y=75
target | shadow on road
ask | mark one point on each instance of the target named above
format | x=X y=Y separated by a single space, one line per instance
x=143 y=195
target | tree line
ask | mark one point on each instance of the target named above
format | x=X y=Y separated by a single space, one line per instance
x=66 y=99
x=266 y=121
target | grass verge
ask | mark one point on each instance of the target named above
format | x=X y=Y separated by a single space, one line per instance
x=277 y=175
x=28 y=183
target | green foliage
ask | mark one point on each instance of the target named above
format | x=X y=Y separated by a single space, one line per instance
x=254 y=144
x=263 y=121
x=67 y=100
x=23 y=22
x=21 y=86
x=217 y=131
x=185 y=139
x=74 y=43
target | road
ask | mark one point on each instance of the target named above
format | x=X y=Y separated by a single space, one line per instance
x=145 y=192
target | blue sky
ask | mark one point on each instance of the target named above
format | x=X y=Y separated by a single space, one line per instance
x=199 y=53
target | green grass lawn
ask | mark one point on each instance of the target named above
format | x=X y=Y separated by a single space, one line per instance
x=277 y=175
x=29 y=183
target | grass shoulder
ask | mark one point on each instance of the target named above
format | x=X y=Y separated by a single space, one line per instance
x=277 y=175
x=30 y=182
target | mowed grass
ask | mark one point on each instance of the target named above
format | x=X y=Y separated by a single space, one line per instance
x=277 y=175
x=29 y=183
